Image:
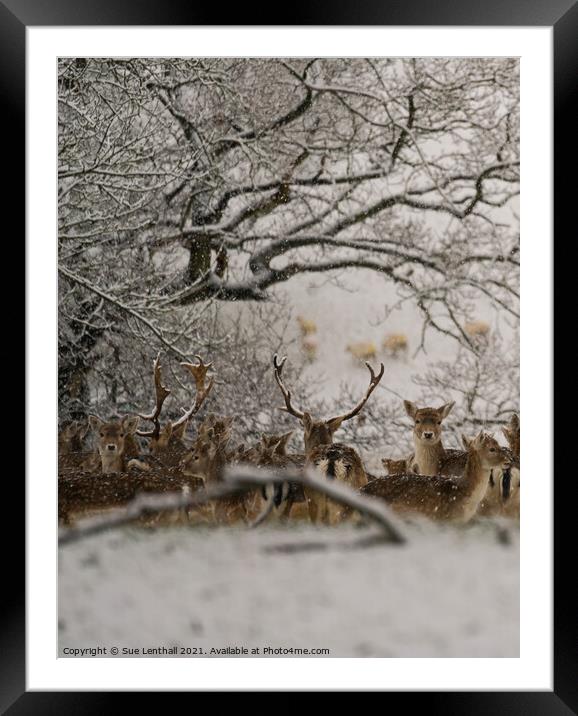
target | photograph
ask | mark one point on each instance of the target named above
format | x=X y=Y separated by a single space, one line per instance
x=288 y=357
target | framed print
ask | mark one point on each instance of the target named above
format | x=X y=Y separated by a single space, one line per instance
x=289 y=295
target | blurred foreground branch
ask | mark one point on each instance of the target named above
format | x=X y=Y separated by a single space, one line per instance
x=238 y=479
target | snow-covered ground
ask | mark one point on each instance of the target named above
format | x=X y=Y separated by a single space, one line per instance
x=449 y=592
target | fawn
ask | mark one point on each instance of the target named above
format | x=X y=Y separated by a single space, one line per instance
x=116 y=443
x=445 y=498
x=334 y=460
x=427 y=433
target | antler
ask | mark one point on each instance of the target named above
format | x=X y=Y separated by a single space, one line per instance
x=199 y=373
x=286 y=393
x=161 y=393
x=371 y=387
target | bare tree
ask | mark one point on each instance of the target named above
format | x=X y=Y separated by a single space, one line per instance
x=188 y=182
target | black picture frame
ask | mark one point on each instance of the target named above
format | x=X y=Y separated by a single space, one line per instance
x=561 y=15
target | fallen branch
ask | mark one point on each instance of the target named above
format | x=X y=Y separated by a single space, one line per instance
x=237 y=479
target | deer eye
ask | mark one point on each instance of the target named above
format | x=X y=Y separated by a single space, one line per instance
x=122 y=435
x=439 y=422
x=417 y=422
x=101 y=435
x=492 y=449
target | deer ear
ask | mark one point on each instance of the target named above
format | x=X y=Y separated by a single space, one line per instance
x=446 y=409
x=515 y=421
x=131 y=423
x=167 y=429
x=95 y=422
x=410 y=408
x=480 y=439
x=334 y=423
x=307 y=421
x=466 y=442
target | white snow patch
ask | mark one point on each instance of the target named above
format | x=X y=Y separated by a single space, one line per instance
x=450 y=592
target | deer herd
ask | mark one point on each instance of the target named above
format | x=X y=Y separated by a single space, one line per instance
x=433 y=481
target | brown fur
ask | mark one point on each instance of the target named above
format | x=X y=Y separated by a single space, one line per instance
x=495 y=502
x=427 y=432
x=394 y=467
x=443 y=498
x=116 y=443
x=169 y=446
x=72 y=454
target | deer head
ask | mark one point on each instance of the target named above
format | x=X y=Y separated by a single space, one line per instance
x=277 y=442
x=71 y=437
x=394 y=467
x=320 y=432
x=488 y=451
x=112 y=436
x=427 y=422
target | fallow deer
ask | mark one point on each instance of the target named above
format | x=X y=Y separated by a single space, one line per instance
x=503 y=492
x=395 y=467
x=477 y=329
x=71 y=451
x=207 y=459
x=334 y=460
x=362 y=351
x=71 y=437
x=284 y=496
x=444 y=498
x=427 y=433
x=309 y=348
x=395 y=345
x=306 y=326
x=116 y=443
x=309 y=345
